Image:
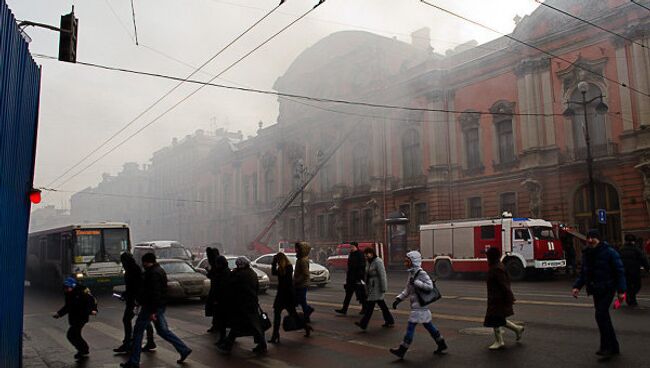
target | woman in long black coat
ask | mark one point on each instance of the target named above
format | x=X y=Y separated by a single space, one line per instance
x=218 y=299
x=244 y=316
x=285 y=298
x=500 y=300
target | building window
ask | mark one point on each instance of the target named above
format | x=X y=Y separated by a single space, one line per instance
x=254 y=187
x=320 y=226
x=508 y=203
x=360 y=165
x=472 y=148
x=505 y=141
x=367 y=222
x=331 y=226
x=269 y=184
x=474 y=207
x=246 y=190
x=325 y=176
x=597 y=129
x=355 y=223
x=411 y=155
x=421 y=216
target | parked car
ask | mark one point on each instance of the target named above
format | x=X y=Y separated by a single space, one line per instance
x=319 y=275
x=262 y=277
x=163 y=249
x=183 y=280
x=339 y=261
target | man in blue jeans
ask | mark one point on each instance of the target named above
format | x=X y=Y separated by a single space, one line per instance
x=152 y=302
x=603 y=274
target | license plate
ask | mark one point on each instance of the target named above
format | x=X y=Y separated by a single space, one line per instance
x=193 y=291
x=551 y=264
x=318 y=279
x=103 y=280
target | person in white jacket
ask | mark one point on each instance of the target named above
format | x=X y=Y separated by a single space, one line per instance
x=418 y=280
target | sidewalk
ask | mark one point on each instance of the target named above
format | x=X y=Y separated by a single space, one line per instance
x=31 y=359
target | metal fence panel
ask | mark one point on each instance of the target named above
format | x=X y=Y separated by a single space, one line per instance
x=20 y=80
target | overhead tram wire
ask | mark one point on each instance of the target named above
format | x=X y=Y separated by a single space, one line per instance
x=135 y=27
x=297 y=96
x=542 y=3
x=641 y=5
x=528 y=44
x=193 y=92
x=165 y=95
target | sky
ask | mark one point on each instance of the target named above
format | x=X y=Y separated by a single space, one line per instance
x=81 y=107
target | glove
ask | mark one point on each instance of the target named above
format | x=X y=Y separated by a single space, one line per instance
x=396 y=302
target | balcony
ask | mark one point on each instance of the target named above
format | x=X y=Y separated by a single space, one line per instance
x=597 y=150
x=413 y=182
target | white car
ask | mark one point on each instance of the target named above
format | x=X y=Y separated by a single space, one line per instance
x=319 y=275
x=262 y=277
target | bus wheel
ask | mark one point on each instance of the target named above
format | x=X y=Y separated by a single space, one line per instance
x=443 y=269
x=515 y=270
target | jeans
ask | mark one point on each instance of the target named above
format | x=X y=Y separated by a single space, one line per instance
x=129 y=313
x=369 y=308
x=301 y=299
x=75 y=338
x=410 y=332
x=354 y=289
x=633 y=282
x=608 y=341
x=162 y=329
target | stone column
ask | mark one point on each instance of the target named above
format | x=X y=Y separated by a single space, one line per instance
x=641 y=63
x=624 y=92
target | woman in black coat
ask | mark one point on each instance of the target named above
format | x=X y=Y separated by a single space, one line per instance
x=500 y=300
x=244 y=316
x=217 y=302
x=285 y=297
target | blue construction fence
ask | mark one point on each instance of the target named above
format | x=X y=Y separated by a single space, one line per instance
x=20 y=79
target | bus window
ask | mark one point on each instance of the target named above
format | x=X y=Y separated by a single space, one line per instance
x=116 y=241
x=89 y=243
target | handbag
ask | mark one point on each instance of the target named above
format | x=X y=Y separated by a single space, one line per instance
x=426 y=297
x=264 y=318
x=293 y=322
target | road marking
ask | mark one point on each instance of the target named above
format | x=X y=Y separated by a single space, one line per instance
x=56 y=336
x=167 y=355
x=369 y=345
x=269 y=362
x=533 y=302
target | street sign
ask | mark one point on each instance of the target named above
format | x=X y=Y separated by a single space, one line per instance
x=602 y=216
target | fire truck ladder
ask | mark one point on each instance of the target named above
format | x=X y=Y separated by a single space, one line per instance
x=258 y=244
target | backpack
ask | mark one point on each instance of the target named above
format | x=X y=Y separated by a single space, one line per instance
x=426 y=297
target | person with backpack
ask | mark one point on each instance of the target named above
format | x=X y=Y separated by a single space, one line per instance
x=133 y=285
x=285 y=298
x=377 y=284
x=418 y=282
x=604 y=276
x=80 y=304
x=499 y=300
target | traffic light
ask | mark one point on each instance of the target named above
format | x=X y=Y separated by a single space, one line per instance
x=35 y=196
x=68 y=38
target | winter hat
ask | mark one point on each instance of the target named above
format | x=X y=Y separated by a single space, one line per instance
x=70 y=282
x=415 y=257
x=242 y=262
x=149 y=258
x=593 y=234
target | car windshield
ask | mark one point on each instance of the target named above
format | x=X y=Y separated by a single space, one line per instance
x=543 y=233
x=176 y=267
x=175 y=251
x=232 y=262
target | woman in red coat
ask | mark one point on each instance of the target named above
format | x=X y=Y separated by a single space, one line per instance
x=500 y=300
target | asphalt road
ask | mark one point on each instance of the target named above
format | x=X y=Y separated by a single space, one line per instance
x=560 y=332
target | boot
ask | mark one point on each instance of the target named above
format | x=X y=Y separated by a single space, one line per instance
x=498 y=339
x=275 y=338
x=150 y=347
x=122 y=349
x=399 y=351
x=442 y=346
x=518 y=330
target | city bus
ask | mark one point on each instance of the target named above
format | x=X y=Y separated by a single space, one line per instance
x=90 y=252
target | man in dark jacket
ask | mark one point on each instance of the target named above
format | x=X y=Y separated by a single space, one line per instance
x=217 y=303
x=152 y=302
x=133 y=286
x=633 y=259
x=79 y=305
x=603 y=275
x=354 y=277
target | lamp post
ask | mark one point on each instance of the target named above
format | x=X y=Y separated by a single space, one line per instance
x=601 y=108
x=300 y=171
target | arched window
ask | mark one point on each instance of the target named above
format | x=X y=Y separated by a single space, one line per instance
x=269 y=184
x=360 y=165
x=597 y=129
x=606 y=199
x=502 y=116
x=411 y=154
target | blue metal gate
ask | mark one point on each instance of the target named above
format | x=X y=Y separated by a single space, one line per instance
x=19 y=98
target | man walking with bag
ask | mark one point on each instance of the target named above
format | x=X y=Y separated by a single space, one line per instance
x=354 y=277
x=603 y=274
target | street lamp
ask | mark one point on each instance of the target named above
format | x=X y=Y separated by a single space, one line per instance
x=300 y=173
x=601 y=109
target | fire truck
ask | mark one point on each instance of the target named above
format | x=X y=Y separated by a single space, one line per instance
x=339 y=261
x=460 y=246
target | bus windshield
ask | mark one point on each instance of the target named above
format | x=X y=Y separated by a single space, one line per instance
x=89 y=243
x=116 y=241
x=543 y=233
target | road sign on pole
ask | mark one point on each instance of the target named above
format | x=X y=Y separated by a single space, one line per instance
x=602 y=216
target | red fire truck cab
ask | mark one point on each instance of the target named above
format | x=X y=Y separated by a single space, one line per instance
x=339 y=261
x=458 y=247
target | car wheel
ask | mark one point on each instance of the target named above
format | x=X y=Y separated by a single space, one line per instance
x=515 y=270
x=443 y=269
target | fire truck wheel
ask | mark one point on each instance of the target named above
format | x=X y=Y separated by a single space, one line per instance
x=515 y=270
x=443 y=269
